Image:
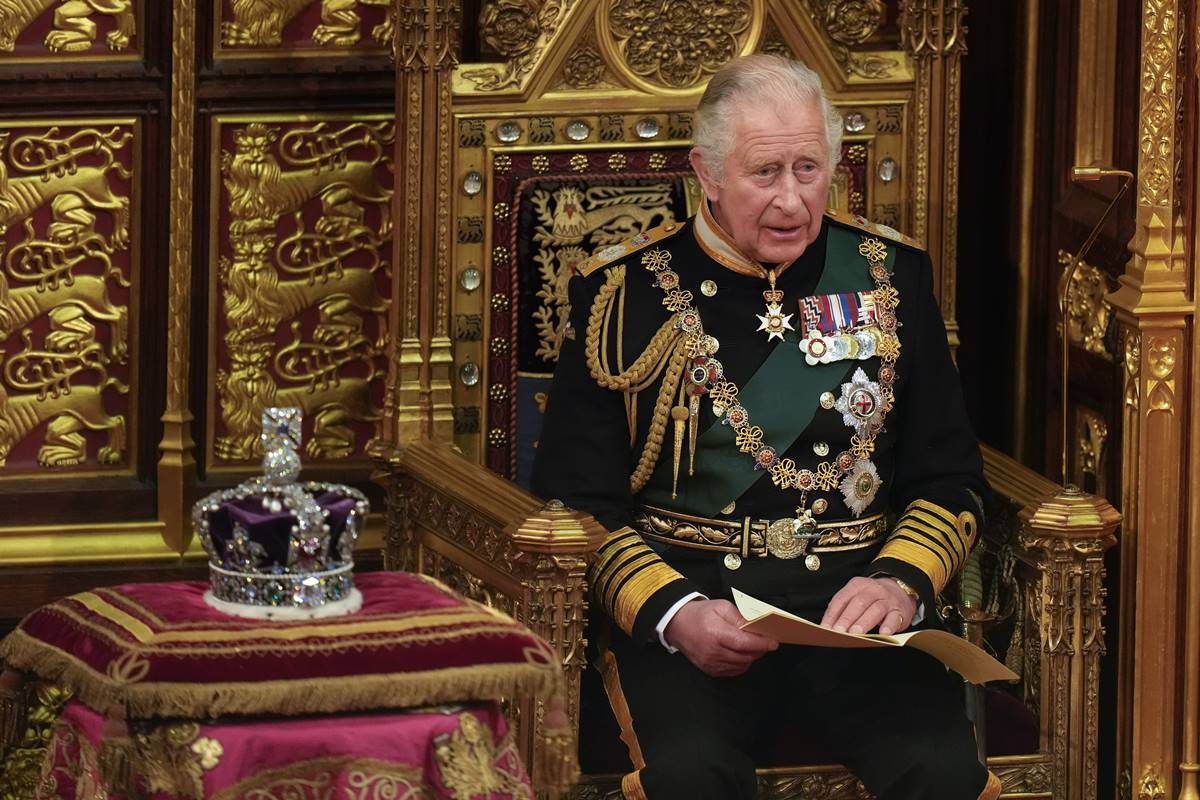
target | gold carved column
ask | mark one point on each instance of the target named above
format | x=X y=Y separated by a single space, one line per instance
x=935 y=34
x=1069 y=532
x=177 y=463
x=426 y=48
x=1156 y=747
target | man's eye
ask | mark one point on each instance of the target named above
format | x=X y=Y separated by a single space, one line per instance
x=765 y=172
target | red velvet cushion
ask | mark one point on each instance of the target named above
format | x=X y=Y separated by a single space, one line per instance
x=158 y=650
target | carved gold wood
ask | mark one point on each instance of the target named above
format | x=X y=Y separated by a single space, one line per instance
x=1088 y=313
x=69 y=280
x=1155 y=306
x=282 y=28
x=49 y=30
x=1070 y=531
x=1090 y=437
x=300 y=229
x=177 y=462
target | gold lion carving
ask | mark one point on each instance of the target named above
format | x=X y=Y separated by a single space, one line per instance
x=21 y=196
x=256 y=301
x=249 y=387
x=260 y=23
x=74 y=30
x=71 y=348
x=260 y=190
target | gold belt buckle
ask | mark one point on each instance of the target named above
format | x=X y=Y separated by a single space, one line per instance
x=784 y=541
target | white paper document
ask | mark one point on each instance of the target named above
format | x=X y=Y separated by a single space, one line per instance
x=955 y=652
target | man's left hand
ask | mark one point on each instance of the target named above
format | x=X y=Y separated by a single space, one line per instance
x=864 y=603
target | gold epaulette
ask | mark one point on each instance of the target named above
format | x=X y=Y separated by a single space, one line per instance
x=616 y=251
x=875 y=228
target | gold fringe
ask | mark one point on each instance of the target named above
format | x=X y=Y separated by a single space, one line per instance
x=116 y=756
x=286 y=697
x=556 y=767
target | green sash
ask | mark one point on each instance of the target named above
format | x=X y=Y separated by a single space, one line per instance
x=781 y=396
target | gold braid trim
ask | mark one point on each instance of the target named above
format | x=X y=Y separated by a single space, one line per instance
x=290 y=697
x=668 y=349
x=643 y=368
x=931 y=539
x=658 y=421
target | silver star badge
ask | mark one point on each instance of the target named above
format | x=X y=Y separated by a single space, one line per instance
x=775 y=322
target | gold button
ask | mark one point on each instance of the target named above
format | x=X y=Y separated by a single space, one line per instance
x=827 y=400
x=820 y=505
x=732 y=561
x=670 y=226
x=821 y=448
x=708 y=288
x=812 y=561
x=729 y=508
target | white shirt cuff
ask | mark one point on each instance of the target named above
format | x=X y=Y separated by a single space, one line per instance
x=661 y=627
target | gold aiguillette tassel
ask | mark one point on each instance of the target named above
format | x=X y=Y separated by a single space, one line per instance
x=693 y=423
x=679 y=415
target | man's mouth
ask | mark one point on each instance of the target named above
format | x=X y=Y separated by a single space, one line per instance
x=785 y=232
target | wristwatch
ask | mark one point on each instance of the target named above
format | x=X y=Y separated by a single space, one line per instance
x=908 y=590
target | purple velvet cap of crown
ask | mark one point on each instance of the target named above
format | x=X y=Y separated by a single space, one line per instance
x=273 y=529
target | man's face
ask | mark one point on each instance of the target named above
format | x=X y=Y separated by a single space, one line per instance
x=776 y=181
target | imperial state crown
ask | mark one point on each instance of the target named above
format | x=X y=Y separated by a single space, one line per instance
x=278 y=548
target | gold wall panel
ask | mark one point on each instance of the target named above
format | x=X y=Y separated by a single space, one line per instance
x=300 y=233
x=53 y=30
x=282 y=28
x=69 y=235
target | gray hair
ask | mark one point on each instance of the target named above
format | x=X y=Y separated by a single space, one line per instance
x=758 y=78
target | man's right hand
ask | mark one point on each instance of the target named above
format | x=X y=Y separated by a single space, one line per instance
x=708 y=632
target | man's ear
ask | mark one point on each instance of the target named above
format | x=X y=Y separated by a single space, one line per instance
x=700 y=166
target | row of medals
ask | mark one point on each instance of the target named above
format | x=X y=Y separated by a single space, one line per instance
x=864 y=403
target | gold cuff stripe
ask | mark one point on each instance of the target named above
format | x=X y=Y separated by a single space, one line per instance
x=932 y=508
x=619 y=576
x=631 y=597
x=631 y=786
x=937 y=540
x=621 y=536
x=947 y=565
x=918 y=556
x=602 y=578
x=948 y=538
x=615 y=555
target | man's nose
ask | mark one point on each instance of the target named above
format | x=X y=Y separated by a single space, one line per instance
x=788 y=199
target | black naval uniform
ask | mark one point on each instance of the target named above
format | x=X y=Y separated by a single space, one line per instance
x=892 y=716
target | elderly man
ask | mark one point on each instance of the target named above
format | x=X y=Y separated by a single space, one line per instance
x=762 y=398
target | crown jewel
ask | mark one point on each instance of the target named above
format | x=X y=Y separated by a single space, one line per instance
x=277 y=547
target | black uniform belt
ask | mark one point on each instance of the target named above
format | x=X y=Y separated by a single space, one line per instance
x=749 y=537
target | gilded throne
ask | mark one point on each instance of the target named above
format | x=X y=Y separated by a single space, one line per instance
x=574 y=137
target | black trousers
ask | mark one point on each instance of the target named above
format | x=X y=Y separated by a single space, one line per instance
x=894 y=717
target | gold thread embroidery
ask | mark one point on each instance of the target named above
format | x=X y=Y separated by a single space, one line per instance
x=467 y=762
x=314 y=780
